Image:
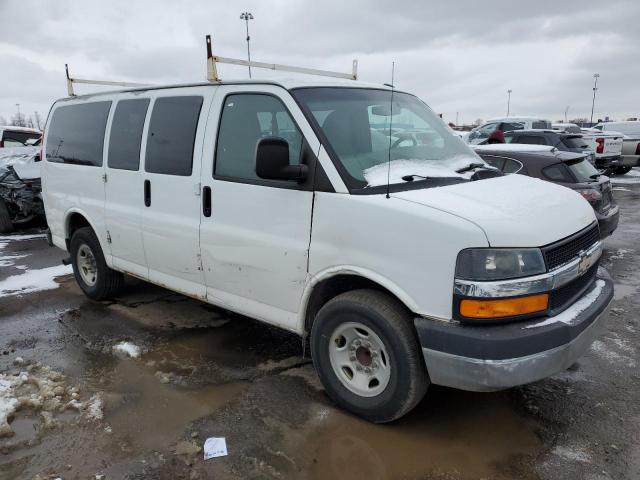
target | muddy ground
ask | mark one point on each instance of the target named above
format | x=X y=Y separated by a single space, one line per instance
x=91 y=411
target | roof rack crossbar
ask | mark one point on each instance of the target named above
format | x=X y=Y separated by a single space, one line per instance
x=71 y=81
x=212 y=72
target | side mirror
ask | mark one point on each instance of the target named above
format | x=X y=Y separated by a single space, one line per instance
x=272 y=161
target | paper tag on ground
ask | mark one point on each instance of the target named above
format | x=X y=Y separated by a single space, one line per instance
x=215 y=447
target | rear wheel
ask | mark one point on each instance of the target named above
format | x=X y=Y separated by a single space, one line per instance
x=366 y=353
x=95 y=278
x=6 y=225
x=621 y=170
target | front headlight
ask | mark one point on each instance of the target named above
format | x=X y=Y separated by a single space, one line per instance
x=488 y=264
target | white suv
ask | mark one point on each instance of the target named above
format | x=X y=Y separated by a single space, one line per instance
x=383 y=238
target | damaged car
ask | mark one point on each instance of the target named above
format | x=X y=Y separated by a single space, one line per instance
x=20 y=190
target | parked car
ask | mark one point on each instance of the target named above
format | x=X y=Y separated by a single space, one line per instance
x=20 y=189
x=566 y=142
x=572 y=170
x=11 y=136
x=566 y=127
x=630 y=141
x=608 y=149
x=505 y=124
x=404 y=262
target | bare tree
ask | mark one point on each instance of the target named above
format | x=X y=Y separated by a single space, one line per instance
x=3 y=121
x=478 y=122
x=37 y=120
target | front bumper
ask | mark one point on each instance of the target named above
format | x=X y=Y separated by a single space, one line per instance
x=496 y=357
x=608 y=222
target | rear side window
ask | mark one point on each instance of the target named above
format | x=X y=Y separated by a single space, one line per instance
x=126 y=134
x=172 y=133
x=557 y=173
x=246 y=118
x=76 y=134
x=532 y=139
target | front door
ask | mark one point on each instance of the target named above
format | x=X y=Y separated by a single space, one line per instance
x=170 y=188
x=255 y=241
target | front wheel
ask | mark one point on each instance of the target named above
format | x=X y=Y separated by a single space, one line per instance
x=366 y=353
x=94 y=277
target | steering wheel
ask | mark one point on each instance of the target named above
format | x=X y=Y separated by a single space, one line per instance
x=402 y=138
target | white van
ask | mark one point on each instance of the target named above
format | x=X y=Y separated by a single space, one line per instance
x=278 y=201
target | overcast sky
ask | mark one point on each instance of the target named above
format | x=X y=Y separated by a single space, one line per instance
x=458 y=56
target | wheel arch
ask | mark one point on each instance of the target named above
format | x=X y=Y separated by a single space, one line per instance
x=75 y=219
x=333 y=282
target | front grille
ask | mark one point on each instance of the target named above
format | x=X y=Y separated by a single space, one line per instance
x=566 y=250
x=564 y=296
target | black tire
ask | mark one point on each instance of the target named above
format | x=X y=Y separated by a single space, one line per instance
x=6 y=225
x=622 y=170
x=108 y=282
x=392 y=323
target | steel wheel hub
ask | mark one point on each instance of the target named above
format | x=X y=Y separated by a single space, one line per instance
x=359 y=359
x=86 y=263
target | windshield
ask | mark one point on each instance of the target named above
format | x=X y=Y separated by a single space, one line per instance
x=583 y=171
x=575 y=142
x=360 y=129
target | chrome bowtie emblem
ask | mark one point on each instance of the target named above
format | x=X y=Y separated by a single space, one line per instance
x=584 y=263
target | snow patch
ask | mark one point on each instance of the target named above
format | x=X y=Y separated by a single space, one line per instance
x=605 y=352
x=95 y=407
x=33 y=280
x=396 y=169
x=128 y=348
x=570 y=314
x=8 y=260
x=620 y=254
x=572 y=454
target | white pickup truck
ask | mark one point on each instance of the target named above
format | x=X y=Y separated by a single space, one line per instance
x=630 y=132
x=607 y=147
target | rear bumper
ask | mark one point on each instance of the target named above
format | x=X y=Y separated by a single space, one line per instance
x=496 y=357
x=608 y=162
x=608 y=222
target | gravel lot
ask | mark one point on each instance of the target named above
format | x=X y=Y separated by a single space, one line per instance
x=132 y=388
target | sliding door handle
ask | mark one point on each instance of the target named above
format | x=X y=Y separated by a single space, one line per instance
x=147 y=193
x=206 y=201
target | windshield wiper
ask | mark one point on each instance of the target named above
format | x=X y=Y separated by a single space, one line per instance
x=411 y=178
x=595 y=176
x=471 y=166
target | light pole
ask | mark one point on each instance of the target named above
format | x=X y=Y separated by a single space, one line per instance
x=566 y=112
x=246 y=16
x=508 y=101
x=595 y=87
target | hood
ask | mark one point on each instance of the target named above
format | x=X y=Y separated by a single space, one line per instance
x=22 y=159
x=513 y=211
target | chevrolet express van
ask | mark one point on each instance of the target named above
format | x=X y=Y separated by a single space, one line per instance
x=363 y=225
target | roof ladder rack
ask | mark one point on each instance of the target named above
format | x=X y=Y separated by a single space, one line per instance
x=212 y=72
x=71 y=81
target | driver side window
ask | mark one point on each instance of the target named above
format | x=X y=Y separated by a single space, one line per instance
x=245 y=119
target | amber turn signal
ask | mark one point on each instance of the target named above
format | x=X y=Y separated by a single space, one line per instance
x=507 y=307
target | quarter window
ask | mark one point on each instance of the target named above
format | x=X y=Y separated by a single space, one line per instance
x=126 y=134
x=511 y=166
x=246 y=118
x=557 y=173
x=172 y=134
x=76 y=134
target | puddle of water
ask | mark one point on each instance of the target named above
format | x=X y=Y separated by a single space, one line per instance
x=462 y=434
x=153 y=415
x=24 y=428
